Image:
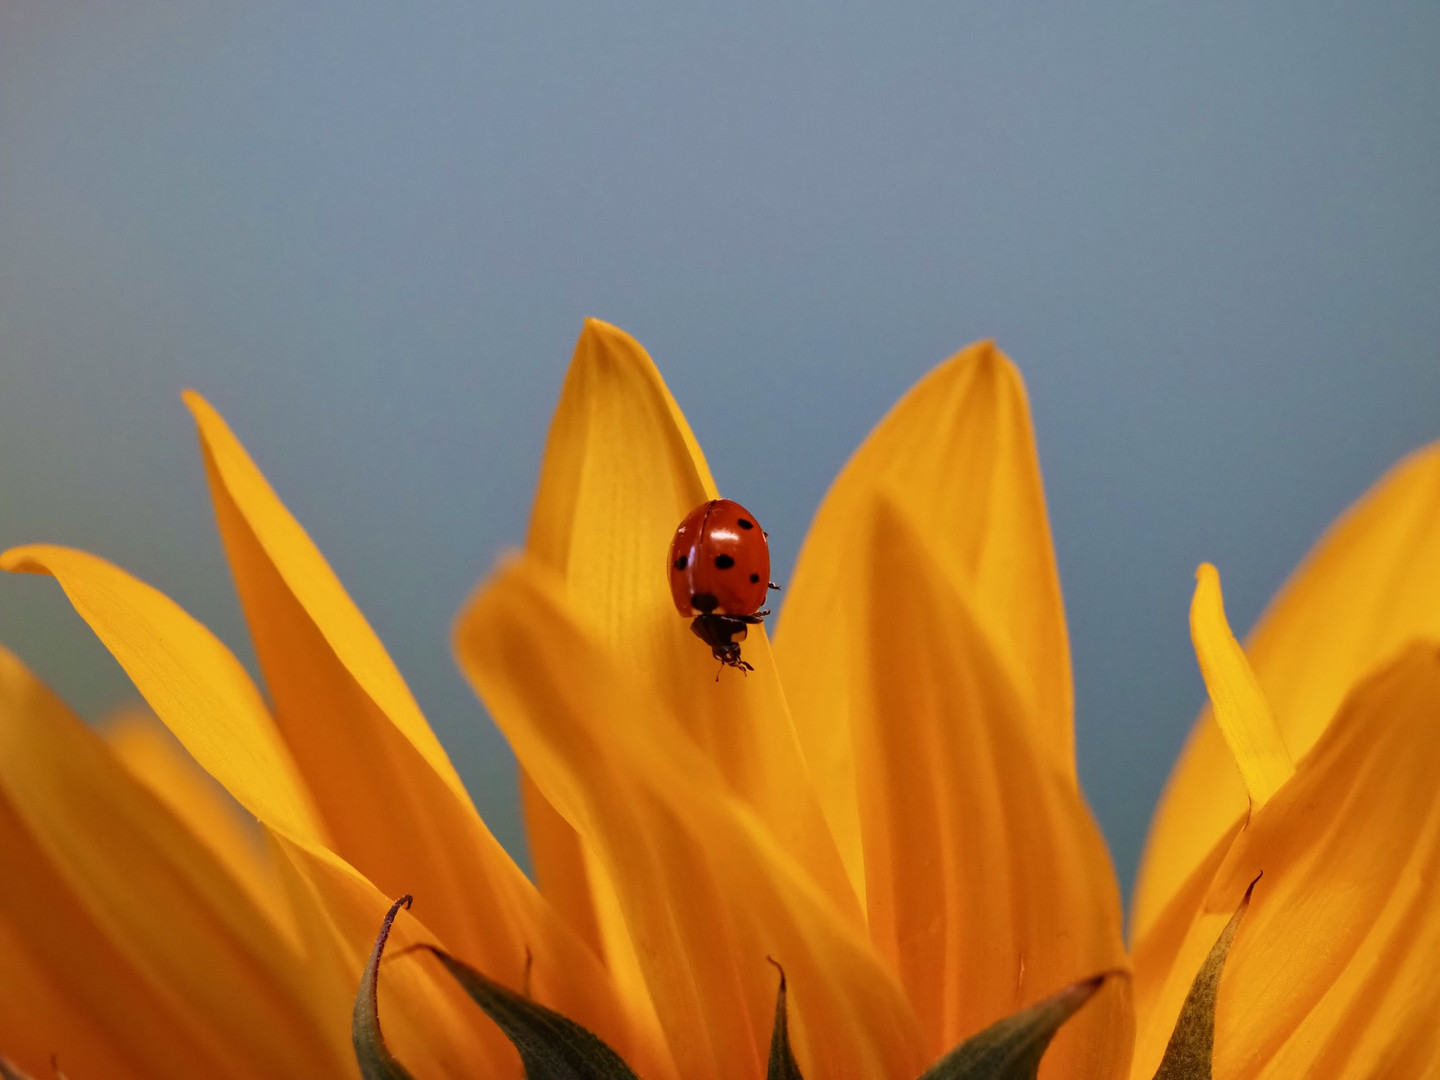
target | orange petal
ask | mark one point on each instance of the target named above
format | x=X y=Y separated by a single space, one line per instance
x=706 y=890
x=429 y=1023
x=989 y=884
x=957 y=454
x=621 y=470
x=1368 y=586
x=387 y=792
x=151 y=755
x=194 y=684
x=1333 y=973
x=144 y=928
x=38 y=1015
x=202 y=694
x=1240 y=708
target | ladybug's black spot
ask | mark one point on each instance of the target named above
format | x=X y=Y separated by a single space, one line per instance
x=723 y=562
x=754 y=578
x=705 y=602
x=682 y=562
x=745 y=524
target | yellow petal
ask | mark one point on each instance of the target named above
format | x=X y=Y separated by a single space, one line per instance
x=957 y=454
x=621 y=470
x=1368 y=586
x=1239 y=705
x=1155 y=956
x=989 y=884
x=151 y=755
x=706 y=890
x=112 y=891
x=202 y=694
x=616 y=422
x=388 y=794
x=428 y=1021
x=194 y=684
x=1333 y=974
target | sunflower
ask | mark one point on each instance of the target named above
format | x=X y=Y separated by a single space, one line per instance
x=886 y=807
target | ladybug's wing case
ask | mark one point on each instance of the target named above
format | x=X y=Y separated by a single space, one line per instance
x=684 y=555
x=732 y=559
x=719 y=554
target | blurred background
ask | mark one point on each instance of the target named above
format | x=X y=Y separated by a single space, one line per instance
x=1208 y=234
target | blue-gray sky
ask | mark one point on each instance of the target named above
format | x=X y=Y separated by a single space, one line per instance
x=1209 y=235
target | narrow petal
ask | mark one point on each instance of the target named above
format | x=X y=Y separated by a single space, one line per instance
x=706 y=890
x=201 y=693
x=1240 y=708
x=958 y=455
x=1334 y=973
x=390 y=799
x=1368 y=586
x=109 y=887
x=989 y=884
x=621 y=470
x=194 y=684
x=152 y=756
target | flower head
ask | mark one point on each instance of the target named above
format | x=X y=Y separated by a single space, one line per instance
x=886 y=806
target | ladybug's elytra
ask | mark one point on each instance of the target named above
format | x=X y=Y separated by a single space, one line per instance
x=720 y=573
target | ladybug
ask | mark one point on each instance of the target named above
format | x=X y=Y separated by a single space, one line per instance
x=719 y=571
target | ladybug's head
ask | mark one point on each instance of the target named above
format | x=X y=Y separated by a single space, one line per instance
x=729 y=656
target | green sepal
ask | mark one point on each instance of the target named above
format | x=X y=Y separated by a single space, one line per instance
x=1011 y=1049
x=375 y=1060
x=1191 y=1050
x=552 y=1046
x=783 y=1065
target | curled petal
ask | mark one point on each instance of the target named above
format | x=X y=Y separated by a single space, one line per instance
x=1334 y=974
x=1240 y=708
x=1370 y=585
x=170 y=963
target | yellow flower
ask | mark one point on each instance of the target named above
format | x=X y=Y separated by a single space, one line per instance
x=887 y=805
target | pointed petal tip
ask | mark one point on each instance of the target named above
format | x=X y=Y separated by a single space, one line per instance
x=25 y=559
x=606 y=337
x=1240 y=706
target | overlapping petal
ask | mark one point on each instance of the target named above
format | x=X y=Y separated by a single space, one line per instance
x=192 y=682
x=156 y=959
x=200 y=691
x=621 y=469
x=989 y=884
x=958 y=456
x=706 y=889
x=356 y=735
x=146 y=750
x=1369 y=585
x=1333 y=974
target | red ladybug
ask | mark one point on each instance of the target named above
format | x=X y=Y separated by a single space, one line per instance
x=720 y=573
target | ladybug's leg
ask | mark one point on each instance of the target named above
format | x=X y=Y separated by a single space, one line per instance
x=772 y=585
x=753 y=620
